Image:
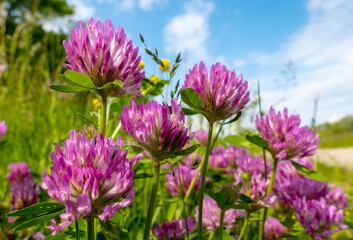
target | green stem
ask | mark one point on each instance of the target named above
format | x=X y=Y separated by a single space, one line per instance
x=191 y=187
x=269 y=189
x=90 y=228
x=152 y=201
x=203 y=178
x=223 y=211
x=104 y=115
x=215 y=139
x=245 y=225
x=77 y=231
x=183 y=210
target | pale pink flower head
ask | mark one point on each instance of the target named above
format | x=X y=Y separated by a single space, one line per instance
x=3 y=128
x=201 y=137
x=337 y=197
x=273 y=229
x=318 y=217
x=187 y=174
x=158 y=130
x=90 y=177
x=24 y=192
x=175 y=229
x=223 y=93
x=286 y=139
x=104 y=55
x=211 y=215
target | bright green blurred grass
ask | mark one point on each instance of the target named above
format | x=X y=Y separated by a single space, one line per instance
x=336 y=140
x=338 y=134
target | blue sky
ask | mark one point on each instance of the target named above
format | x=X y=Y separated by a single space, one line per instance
x=256 y=38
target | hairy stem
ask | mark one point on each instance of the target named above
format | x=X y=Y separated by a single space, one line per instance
x=223 y=211
x=269 y=189
x=104 y=116
x=203 y=178
x=90 y=228
x=77 y=231
x=245 y=225
x=152 y=201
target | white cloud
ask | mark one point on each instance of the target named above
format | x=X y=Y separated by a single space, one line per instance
x=336 y=118
x=127 y=5
x=148 y=4
x=83 y=11
x=239 y=63
x=189 y=32
x=323 y=53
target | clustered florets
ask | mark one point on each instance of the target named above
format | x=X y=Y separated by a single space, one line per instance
x=88 y=177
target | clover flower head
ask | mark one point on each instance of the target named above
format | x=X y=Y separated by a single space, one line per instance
x=158 y=130
x=187 y=174
x=211 y=215
x=104 y=55
x=250 y=165
x=257 y=190
x=192 y=159
x=89 y=176
x=223 y=93
x=24 y=192
x=290 y=184
x=201 y=137
x=3 y=128
x=338 y=198
x=287 y=140
x=273 y=229
x=318 y=217
x=219 y=157
x=175 y=229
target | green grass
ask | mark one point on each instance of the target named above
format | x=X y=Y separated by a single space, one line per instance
x=336 y=140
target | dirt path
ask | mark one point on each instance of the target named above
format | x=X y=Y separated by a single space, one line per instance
x=335 y=156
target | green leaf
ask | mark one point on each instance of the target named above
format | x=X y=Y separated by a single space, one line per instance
x=188 y=150
x=143 y=175
x=288 y=222
x=36 y=220
x=86 y=119
x=112 y=231
x=189 y=111
x=109 y=85
x=234 y=119
x=68 y=88
x=132 y=151
x=39 y=208
x=220 y=199
x=210 y=192
x=245 y=198
x=226 y=235
x=289 y=234
x=237 y=206
x=191 y=98
x=149 y=82
x=238 y=141
x=161 y=83
x=259 y=141
x=349 y=224
x=307 y=172
x=79 y=79
x=119 y=106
